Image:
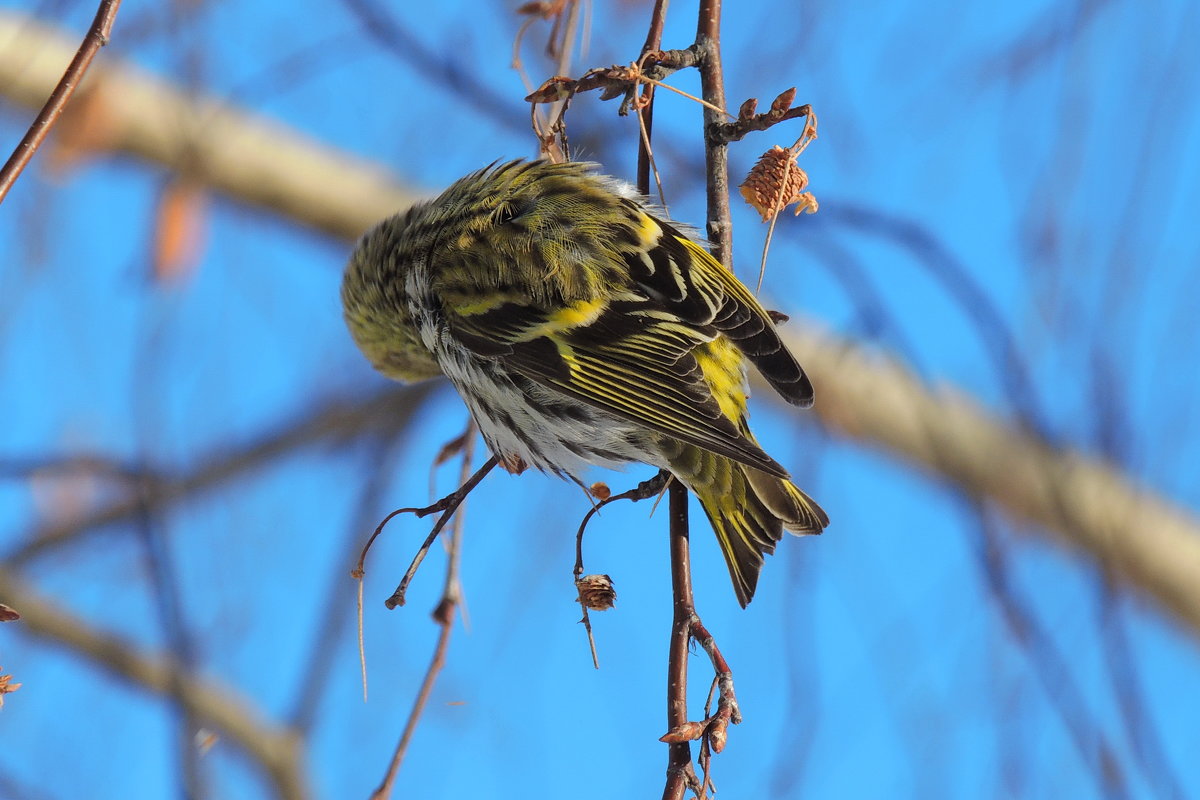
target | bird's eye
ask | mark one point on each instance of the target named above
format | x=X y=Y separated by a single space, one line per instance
x=510 y=211
x=505 y=214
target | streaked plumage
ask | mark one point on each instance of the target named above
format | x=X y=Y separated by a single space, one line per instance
x=582 y=328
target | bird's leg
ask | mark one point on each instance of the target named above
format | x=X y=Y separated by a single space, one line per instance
x=447 y=505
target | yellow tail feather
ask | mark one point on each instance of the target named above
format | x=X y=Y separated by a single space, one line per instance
x=749 y=510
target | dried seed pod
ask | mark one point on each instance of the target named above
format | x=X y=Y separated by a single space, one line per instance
x=596 y=592
x=553 y=90
x=776 y=182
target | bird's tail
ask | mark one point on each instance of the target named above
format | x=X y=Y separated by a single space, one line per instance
x=748 y=509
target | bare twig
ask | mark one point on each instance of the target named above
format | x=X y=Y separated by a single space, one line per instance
x=443 y=615
x=658 y=19
x=727 y=132
x=97 y=37
x=447 y=505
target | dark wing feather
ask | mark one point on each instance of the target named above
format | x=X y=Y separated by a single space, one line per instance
x=627 y=360
x=689 y=282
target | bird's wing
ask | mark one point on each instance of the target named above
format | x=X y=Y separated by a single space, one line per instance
x=627 y=355
x=690 y=283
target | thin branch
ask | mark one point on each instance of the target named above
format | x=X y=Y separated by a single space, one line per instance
x=443 y=615
x=727 y=132
x=589 y=592
x=277 y=750
x=658 y=20
x=97 y=37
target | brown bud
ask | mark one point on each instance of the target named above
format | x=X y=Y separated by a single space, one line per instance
x=600 y=490
x=687 y=732
x=783 y=102
x=596 y=592
x=748 y=108
x=553 y=90
x=8 y=614
x=536 y=7
x=717 y=733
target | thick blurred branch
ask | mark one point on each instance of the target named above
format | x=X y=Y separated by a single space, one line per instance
x=276 y=749
x=1150 y=543
x=1145 y=540
x=250 y=158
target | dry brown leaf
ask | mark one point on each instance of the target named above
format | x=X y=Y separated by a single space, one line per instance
x=596 y=592
x=178 y=227
x=775 y=182
x=7 y=687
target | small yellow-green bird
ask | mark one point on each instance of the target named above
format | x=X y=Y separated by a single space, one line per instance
x=580 y=327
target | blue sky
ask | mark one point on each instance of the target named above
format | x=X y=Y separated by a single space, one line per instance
x=1045 y=154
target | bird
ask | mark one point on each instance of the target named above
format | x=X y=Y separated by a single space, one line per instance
x=583 y=328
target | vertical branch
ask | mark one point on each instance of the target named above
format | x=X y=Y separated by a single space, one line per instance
x=716 y=151
x=679 y=764
x=680 y=774
x=646 y=108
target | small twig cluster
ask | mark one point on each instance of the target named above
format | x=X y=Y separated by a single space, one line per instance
x=443 y=613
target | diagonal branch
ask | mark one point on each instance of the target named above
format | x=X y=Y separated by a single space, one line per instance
x=247 y=157
x=97 y=37
x=1146 y=541
x=342 y=420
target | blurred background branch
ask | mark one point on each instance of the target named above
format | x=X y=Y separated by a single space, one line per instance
x=277 y=750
